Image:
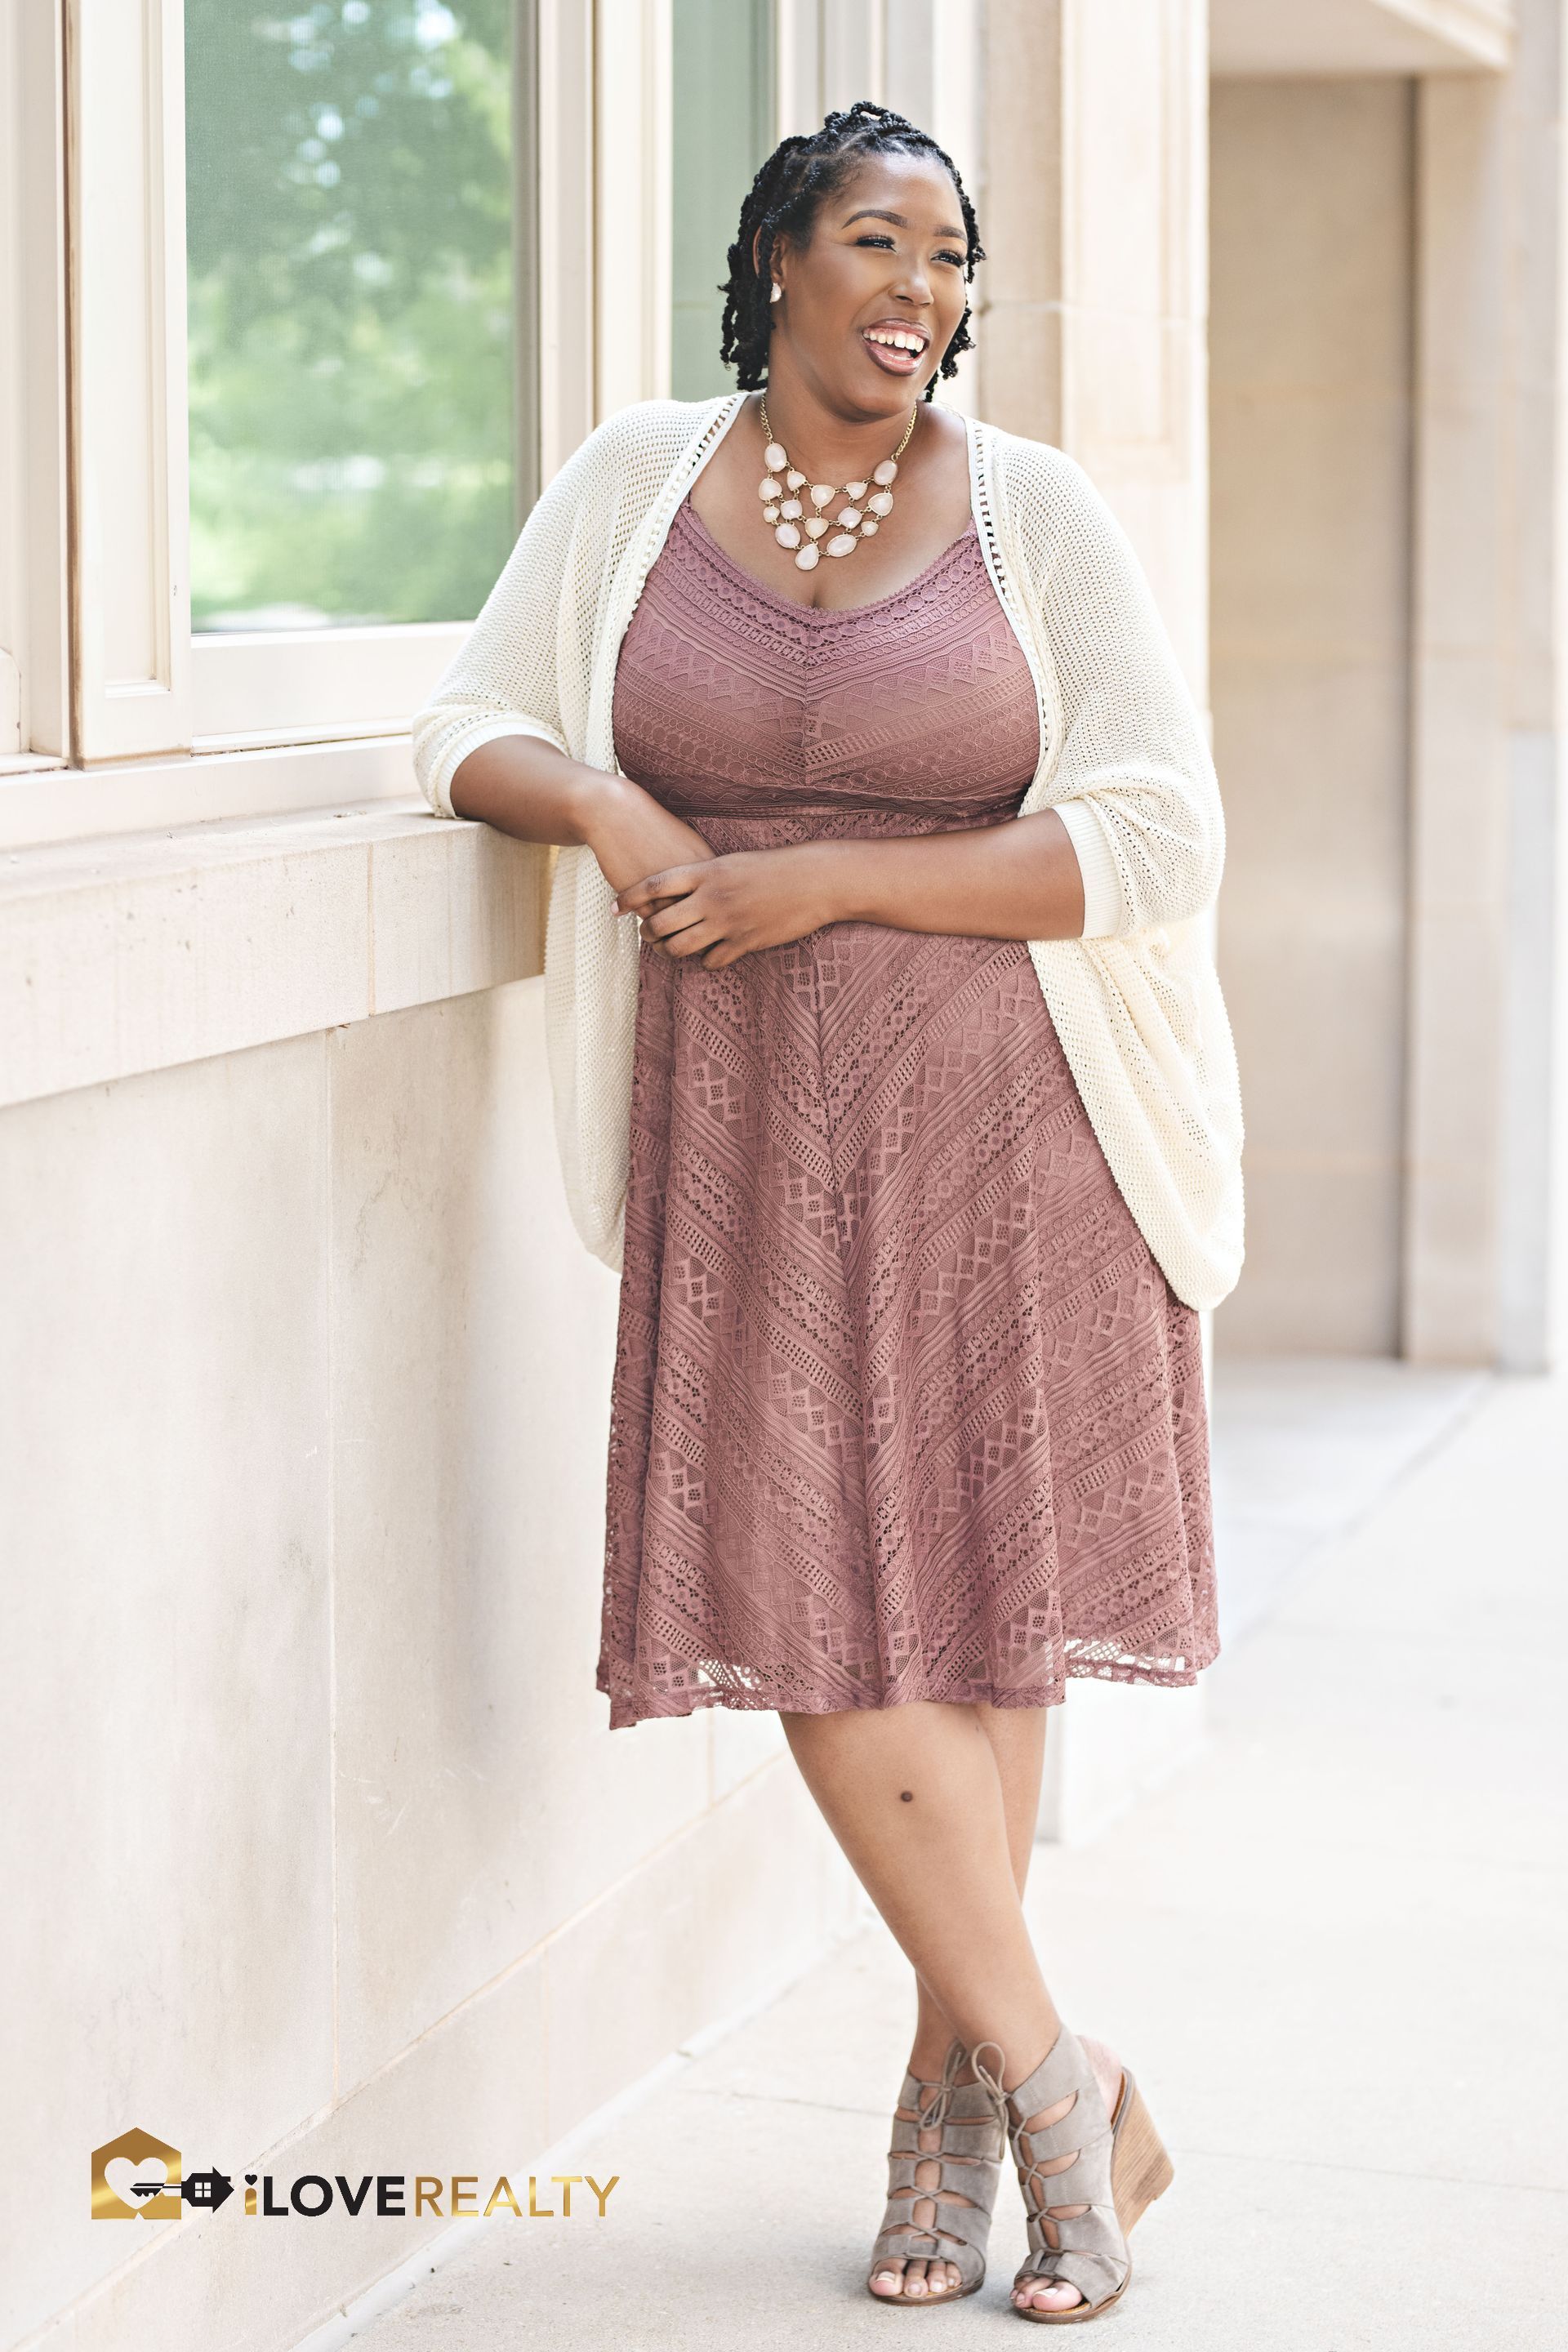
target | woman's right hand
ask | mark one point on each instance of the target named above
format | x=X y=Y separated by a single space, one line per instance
x=632 y=835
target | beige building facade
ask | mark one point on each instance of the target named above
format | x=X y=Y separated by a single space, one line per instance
x=319 y=1857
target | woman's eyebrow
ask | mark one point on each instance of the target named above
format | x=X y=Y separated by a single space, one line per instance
x=874 y=212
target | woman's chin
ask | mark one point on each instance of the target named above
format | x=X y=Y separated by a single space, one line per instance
x=875 y=387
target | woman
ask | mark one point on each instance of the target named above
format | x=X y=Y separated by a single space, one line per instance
x=904 y=1101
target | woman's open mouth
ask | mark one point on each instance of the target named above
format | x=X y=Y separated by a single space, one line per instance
x=898 y=350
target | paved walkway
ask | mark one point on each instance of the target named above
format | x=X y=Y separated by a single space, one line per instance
x=1332 y=1947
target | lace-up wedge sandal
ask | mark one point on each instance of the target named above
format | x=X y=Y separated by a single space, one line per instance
x=966 y=2124
x=1120 y=2167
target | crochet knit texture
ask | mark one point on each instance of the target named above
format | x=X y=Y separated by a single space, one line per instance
x=1135 y=1001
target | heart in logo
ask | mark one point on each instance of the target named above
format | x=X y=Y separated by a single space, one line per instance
x=119 y=2172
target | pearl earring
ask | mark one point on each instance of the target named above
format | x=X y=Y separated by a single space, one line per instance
x=777 y=294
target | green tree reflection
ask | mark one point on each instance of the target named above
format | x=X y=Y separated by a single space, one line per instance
x=349 y=180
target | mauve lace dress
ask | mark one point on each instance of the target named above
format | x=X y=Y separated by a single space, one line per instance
x=902 y=1408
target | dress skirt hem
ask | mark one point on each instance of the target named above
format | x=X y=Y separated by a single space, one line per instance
x=627 y=1710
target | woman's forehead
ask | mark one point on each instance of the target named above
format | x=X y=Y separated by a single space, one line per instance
x=918 y=189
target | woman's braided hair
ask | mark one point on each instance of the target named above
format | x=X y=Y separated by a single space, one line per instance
x=784 y=200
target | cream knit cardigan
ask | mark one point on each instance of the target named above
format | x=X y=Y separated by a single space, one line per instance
x=1123 y=760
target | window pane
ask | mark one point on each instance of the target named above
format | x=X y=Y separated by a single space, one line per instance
x=352 y=334
x=723 y=81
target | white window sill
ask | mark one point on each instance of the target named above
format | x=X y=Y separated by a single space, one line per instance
x=316 y=679
x=40 y=801
x=142 y=951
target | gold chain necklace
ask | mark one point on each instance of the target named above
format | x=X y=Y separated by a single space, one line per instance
x=783 y=508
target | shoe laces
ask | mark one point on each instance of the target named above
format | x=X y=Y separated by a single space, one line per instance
x=934 y=2115
x=992 y=2085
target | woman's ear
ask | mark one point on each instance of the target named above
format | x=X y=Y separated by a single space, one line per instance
x=756 y=257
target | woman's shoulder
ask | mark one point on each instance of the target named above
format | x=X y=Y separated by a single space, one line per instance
x=653 y=428
x=1039 y=463
x=1051 y=499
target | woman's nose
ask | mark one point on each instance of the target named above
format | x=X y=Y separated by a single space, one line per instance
x=912 y=286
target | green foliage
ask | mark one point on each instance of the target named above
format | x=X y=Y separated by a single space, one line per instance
x=349 y=185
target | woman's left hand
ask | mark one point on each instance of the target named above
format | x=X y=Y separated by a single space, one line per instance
x=722 y=907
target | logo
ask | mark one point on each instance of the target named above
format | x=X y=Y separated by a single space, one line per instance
x=115 y=2169
x=125 y=2188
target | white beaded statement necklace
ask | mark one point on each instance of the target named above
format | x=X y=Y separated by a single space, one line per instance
x=783 y=508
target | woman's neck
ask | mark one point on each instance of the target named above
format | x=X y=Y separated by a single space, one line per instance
x=826 y=445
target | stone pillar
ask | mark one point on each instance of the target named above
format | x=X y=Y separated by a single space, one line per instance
x=1488 y=904
x=1091 y=335
x=1310 y=412
x=1096 y=291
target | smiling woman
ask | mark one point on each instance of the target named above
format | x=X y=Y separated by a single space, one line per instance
x=866 y=265
x=908 y=1114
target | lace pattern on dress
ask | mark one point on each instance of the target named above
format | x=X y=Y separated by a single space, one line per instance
x=903 y=1407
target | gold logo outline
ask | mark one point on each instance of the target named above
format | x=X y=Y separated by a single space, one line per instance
x=137 y=2147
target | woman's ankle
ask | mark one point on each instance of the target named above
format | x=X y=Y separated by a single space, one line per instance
x=929 y=2055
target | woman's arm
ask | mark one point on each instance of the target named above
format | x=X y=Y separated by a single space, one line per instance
x=1015 y=880
x=521 y=675
x=524 y=786
x=1134 y=780
x=492 y=742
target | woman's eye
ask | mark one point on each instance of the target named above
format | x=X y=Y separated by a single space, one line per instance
x=957 y=260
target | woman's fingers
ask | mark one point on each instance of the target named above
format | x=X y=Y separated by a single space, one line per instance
x=690 y=940
x=672 y=882
x=681 y=915
x=667 y=914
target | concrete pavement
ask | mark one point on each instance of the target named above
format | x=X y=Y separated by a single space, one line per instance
x=1331 y=1946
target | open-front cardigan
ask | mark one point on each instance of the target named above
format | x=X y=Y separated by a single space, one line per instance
x=1123 y=760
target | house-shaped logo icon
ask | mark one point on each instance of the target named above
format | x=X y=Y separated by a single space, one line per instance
x=158 y=2200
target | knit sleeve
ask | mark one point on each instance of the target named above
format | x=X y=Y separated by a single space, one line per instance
x=1134 y=782
x=507 y=678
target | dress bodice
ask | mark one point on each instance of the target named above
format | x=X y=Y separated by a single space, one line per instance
x=733 y=701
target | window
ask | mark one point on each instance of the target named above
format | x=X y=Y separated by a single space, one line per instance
x=723 y=102
x=360 y=349
x=336 y=288
x=351 y=347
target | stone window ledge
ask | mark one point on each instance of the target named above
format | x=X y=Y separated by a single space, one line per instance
x=139 y=952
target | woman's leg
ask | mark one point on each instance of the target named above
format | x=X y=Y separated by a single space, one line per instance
x=934 y=1806
x=1017 y=1737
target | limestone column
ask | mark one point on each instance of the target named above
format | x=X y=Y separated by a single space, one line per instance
x=1091 y=335
x=1096 y=292
x=1488 y=905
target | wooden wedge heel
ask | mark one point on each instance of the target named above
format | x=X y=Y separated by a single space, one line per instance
x=1140 y=2170
x=1119 y=2166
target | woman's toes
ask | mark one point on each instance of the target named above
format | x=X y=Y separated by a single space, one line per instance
x=921 y=2281
x=1046 y=2294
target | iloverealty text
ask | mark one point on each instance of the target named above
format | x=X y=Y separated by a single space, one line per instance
x=312 y=2194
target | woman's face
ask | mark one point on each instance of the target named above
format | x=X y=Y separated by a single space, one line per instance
x=883 y=271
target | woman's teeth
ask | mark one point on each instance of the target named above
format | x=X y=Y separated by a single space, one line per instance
x=894 y=342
